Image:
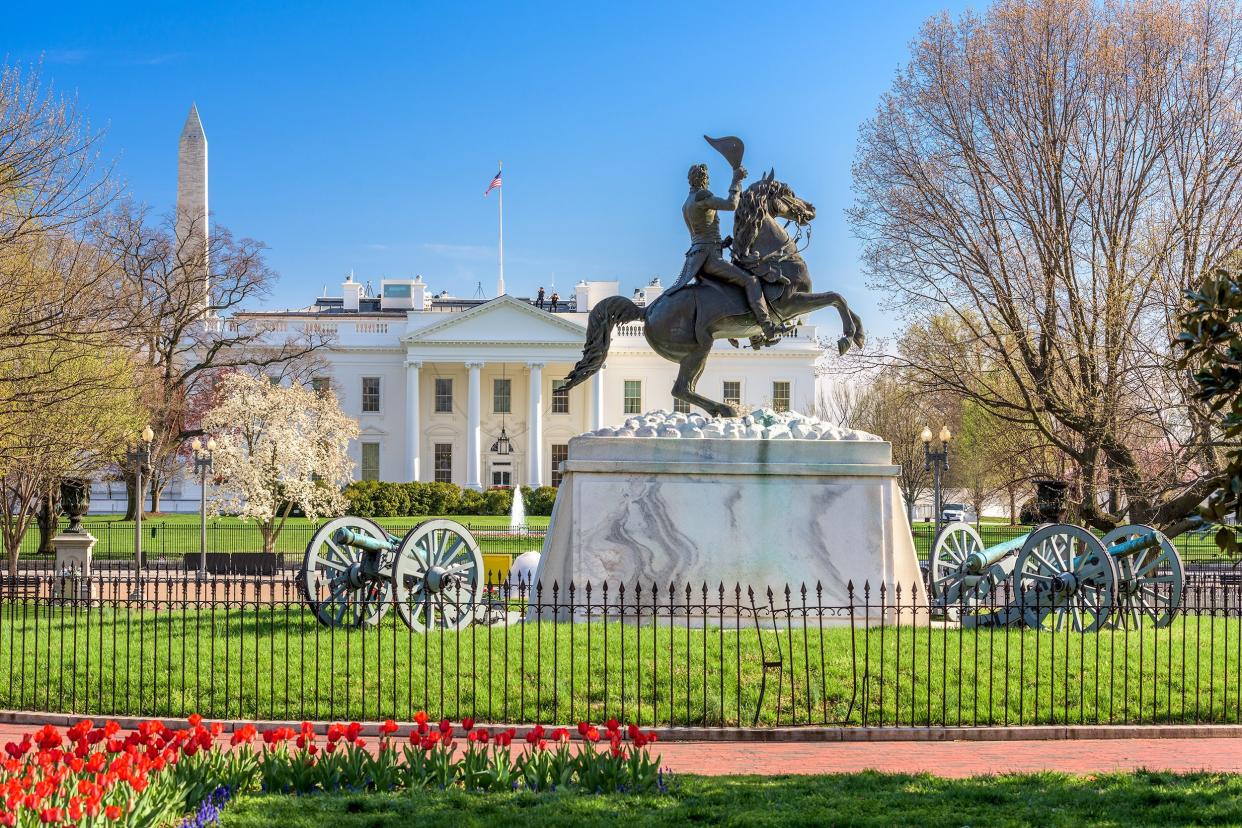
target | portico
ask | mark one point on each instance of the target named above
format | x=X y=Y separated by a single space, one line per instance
x=500 y=362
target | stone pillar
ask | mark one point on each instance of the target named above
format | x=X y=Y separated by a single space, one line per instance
x=534 y=427
x=597 y=399
x=73 y=565
x=413 y=426
x=474 y=428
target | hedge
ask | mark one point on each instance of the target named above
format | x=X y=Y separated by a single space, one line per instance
x=374 y=498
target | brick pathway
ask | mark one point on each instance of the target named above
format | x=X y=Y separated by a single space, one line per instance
x=954 y=759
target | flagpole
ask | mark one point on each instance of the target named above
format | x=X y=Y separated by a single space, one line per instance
x=500 y=283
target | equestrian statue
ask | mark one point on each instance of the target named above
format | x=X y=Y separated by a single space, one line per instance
x=758 y=295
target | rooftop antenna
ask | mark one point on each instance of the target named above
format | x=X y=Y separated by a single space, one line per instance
x=478 y=291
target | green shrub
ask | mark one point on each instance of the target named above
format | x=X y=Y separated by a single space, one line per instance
x=472 y=502
x=498 y=501
x=539 y=501
x=361 y=497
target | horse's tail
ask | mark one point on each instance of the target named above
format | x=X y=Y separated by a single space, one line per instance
x=613 y=311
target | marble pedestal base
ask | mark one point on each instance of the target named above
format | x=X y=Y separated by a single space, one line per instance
x=73 y=565
x=759 y=514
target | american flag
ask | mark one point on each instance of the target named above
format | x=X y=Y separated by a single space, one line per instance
x=495 y=183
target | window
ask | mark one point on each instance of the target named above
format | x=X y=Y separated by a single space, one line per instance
x=560 y=397
x=444 y=462
x=502 y=475
x=633 y=397
x=501 y=396
x=681 y=406
x=396 y=291
x=444 y=395
x=780 y=396
x=321 y=385
x=732 y=392
x=370 y=395
x=370 y=461
x=560 y=453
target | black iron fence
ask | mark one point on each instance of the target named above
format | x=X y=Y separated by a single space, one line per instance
x=696 y=655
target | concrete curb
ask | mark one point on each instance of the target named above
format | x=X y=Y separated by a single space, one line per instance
x=746 y=734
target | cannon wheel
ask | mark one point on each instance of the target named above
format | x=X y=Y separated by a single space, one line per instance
x=954 y=543
x=1141 y=577
x=334 y=581
x=438 y=576
x=1064 y=576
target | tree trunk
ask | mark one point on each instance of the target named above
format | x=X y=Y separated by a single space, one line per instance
x=1013 y=500
x=131 y=504
x=157 y=491
x=48 y=519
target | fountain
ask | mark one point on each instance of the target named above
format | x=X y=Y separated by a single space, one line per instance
x=517 y=513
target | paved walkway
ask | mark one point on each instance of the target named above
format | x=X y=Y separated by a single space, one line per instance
x=942 y=758
x=954 y=759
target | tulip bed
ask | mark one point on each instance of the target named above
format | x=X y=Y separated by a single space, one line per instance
x=160 y=776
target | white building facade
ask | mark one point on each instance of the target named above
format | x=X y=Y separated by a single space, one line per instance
x=468 y=391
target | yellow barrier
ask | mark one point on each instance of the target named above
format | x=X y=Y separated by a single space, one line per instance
x=496 y=565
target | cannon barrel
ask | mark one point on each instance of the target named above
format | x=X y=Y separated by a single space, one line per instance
x=1134 y=545
x=348 y=537
x=977 y=562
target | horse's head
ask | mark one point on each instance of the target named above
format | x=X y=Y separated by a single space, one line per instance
x=781 y=202
x=768 y=198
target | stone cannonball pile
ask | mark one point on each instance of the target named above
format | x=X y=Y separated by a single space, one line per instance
x=760 y=424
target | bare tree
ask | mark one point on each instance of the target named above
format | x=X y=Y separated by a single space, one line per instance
x=893 y=408
x=1054 y=173
x=177 y=292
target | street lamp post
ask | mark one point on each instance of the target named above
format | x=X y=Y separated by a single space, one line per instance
x=139 y=457
x=202 y=465
x=937 y=461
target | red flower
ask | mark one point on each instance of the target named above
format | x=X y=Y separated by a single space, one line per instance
x=389 y=726
x=534 y=735
x=353 y=730
x=8 y=819
x=446 y=726
x=113 y=812
x=468 y=724
x=613 y=725
x=633 y=731
x=195 y=720
x=582 y=728
x=336 y=732
x=591 y=734
x=51 y=815
x=420 y=717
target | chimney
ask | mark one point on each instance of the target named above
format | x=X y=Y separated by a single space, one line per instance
x=418 y=294
x=351 y=291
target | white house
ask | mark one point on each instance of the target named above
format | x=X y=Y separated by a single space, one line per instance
x=467 y=391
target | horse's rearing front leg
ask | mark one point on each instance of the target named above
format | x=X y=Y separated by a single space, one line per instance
x=851 y=325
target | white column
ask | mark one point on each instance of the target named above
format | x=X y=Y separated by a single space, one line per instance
x=597 y=399
x=474 y=428
x=534 y=426
x=413 y=427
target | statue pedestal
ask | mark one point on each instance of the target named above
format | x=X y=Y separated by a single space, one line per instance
x=755 y=513
x=73 y=565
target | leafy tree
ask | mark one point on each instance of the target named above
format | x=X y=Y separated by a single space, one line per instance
x=1212 y=339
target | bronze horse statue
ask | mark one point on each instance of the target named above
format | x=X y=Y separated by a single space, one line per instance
x=681 y=327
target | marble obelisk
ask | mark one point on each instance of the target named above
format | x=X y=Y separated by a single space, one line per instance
x=192 y=221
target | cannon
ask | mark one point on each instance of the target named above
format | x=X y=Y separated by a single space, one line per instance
x=1059 y=574
x=354 y=570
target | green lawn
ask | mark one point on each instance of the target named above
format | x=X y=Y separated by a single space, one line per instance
x=861 y=799
x=170 y=536
x=254 y=660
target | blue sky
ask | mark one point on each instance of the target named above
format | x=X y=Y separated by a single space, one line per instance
x=362 y=136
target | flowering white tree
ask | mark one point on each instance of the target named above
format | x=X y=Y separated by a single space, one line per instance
x=278 y=448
